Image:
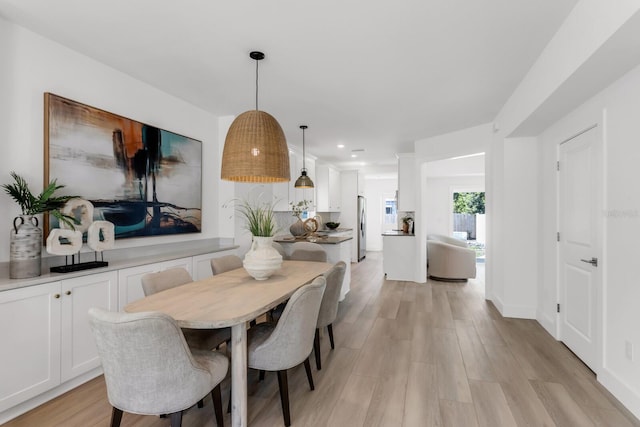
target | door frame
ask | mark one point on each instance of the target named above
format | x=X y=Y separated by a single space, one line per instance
x=600 y=198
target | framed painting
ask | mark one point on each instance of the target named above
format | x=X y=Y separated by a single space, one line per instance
x=145 y=180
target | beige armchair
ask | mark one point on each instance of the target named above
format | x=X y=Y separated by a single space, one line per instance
x=449 y=259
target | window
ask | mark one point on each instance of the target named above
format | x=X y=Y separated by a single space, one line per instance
x=390 y=211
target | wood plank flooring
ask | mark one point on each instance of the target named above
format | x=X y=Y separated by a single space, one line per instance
x=407 y=354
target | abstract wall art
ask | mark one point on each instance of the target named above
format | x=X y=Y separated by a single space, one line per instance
x=145 y=180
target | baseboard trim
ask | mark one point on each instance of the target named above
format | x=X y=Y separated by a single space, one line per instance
x=34 y=402
x=621 y=390
x=548 y=323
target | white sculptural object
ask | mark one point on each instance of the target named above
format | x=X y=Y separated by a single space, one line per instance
x=108 y=235
x=72 y=241
x=78 y=206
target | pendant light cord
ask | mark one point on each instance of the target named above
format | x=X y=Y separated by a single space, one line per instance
x=304 y=168
x=257 y=62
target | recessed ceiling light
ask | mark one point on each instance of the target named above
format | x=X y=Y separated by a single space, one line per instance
x=340 y=145
x=354 y=155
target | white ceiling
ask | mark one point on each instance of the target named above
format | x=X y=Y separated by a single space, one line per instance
x=369 y=74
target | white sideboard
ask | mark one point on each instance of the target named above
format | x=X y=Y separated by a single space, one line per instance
x=47 y=345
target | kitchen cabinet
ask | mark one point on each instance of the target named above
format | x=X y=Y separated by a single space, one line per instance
x=130 y=279
x=328 y=189
x=407 y=179
x=46 y=339
x=47 y=345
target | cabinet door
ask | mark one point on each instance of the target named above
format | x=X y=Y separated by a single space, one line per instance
x=30 y=342
x=185 y=263
x=335 y=194
x=202 y=264
x=130 y=279
x=322 y=189
x=130 y=284
x=79 y=354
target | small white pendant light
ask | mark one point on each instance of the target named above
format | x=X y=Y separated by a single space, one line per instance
x=255 y=149
x=303 y=181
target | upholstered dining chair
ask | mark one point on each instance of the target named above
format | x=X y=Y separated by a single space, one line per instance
x=225 y=263
x=202 y=339
x=307 y=251
x=150 y=370
x=278 y=247
x=289 y=342
x=329 y=307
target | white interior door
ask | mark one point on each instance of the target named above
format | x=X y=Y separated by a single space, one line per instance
x=580 y=188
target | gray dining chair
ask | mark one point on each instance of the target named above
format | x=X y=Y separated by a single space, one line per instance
x=203 y=339
x=329 y=307
x=149 y=368
x=278 y=247
x=225 y=263
x=289 y=342
x=307 y=251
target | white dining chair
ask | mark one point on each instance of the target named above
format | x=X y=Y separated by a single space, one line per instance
x=149 y=368
x=289 y=342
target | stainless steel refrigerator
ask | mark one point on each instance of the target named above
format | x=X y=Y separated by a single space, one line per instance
x=362 y=228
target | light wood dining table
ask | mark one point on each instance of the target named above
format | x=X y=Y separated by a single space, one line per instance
x=231 y=299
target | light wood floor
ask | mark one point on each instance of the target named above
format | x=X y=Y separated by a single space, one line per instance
x=406 y=354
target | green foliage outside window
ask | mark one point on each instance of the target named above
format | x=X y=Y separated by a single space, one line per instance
x=468 y=203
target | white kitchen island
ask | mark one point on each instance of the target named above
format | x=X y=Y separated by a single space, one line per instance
x=337 y=249
x=399 y=255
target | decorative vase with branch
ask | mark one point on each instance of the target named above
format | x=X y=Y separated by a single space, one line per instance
x=26 y=236
x=298 y=228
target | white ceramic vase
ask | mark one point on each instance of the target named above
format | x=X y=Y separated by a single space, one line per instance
x=263 y=259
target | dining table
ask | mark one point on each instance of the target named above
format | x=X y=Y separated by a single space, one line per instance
x=231 y=299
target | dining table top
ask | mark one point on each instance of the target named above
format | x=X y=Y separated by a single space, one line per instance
x=229 y=298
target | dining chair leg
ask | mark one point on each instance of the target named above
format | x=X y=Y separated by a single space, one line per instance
x=330 y=329
x=216 y=396
x=316 y=349
x=116 y=417
x=176 y=419
x=307 y=367
x=284 y=396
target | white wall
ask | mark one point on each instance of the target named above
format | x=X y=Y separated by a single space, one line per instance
x=615 y=111
x=439 y=199
x=597 y=43
x=31 y=65
x=375 y=192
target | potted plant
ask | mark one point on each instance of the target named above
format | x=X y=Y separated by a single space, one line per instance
x=26 y=236
x=406 y=223
x=263 y=259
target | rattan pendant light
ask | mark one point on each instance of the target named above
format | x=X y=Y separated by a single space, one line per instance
x=303 y=181
x=255 y=149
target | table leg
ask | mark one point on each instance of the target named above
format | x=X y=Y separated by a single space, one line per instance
x=239 y=375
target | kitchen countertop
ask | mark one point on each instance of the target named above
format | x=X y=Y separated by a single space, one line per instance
x=397 y=233
x=323 y=240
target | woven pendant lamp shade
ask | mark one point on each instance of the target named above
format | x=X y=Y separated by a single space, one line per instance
x=255 y=150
